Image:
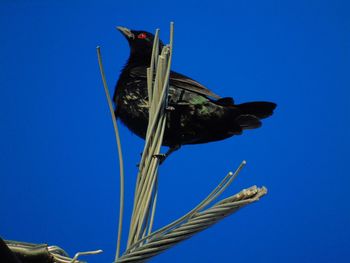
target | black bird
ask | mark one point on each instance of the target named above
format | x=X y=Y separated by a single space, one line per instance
x=198 y=115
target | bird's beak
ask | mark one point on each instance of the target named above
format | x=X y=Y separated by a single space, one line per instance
x=126 y=32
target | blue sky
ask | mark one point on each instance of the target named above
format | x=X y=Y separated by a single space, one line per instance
x=58 y=163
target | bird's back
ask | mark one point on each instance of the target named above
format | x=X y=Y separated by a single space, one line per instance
x=198 y=115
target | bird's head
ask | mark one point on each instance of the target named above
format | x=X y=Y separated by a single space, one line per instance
x=141 y=44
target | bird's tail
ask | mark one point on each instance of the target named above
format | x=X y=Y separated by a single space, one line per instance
x=252 y=112
x=259 y=109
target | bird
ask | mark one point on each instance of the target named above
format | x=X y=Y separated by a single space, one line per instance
x=198 y=115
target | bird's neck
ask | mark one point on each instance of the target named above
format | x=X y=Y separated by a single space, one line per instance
x=139 y=60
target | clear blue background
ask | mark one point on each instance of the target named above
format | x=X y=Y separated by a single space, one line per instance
x=58 y=161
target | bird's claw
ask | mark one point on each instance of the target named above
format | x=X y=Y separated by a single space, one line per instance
x=170 y=108
x=161 y=157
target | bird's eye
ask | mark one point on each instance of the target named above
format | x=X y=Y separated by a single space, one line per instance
x=142 y=36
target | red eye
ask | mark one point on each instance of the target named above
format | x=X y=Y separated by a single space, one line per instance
x=142 y=36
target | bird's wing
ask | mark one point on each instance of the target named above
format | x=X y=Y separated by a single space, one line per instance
x=184 y=82
x=180 y=81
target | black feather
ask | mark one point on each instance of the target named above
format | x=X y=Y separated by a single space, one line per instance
x=199 y=115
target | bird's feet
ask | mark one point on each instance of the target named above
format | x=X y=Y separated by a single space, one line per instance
x=170 y=108
x=161 y=157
